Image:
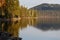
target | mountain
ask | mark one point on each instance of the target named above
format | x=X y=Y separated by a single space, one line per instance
x=46 y=6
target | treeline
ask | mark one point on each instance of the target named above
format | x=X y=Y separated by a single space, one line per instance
x=12 y=9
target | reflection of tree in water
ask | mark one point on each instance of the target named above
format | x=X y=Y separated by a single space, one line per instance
x=32 y=21
x=6 y=25
x=3 y=26
x=25 y=22
x=0 y=26
x=14 y=27
x=48 y=26
x=10 y=27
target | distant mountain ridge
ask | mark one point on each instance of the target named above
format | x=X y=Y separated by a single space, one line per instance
x=46 y=6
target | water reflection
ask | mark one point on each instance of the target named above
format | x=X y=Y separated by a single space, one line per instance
x=48 y=26
x=26 y=27
x=0 y=26
x=14 y=26
x=11 y=27
x=31 y=33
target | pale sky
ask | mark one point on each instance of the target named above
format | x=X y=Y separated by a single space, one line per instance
x=32 y=3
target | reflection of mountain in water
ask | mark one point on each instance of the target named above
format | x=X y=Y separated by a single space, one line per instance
x=13 y=27
x=48 y=26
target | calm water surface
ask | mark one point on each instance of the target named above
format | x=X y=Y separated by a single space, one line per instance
x=32 y=29
x=32 y=33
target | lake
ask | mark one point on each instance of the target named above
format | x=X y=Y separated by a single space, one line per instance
x=32 y=29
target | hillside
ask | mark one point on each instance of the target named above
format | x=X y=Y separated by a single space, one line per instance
x=46 y=6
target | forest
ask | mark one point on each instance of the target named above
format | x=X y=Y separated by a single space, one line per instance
x=12 y=9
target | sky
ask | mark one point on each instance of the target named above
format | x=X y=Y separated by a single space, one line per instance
x=32 y=3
